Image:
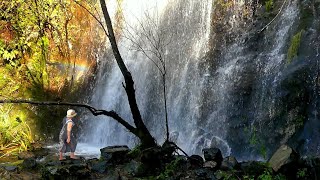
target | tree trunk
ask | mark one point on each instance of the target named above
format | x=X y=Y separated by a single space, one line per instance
x=142 y=132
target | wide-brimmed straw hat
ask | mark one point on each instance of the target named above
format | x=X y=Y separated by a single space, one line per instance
x=71 y=113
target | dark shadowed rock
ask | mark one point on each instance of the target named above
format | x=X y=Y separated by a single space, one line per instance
x=229 y=163
x=152 y=158
x=213 y=154
x=284 y=155
x=134 y=168
x=71 y=171
x=29 y=163
x=196 y=160
x=253 y=167
x=204 y=173
x=114 y=154
x=312 y=165
x=40 y=152
x=96 y=165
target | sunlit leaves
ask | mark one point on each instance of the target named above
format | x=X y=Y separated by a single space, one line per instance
x=40 y=41
x=15 y=134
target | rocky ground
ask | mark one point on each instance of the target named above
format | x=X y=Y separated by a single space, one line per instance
x=119 y=162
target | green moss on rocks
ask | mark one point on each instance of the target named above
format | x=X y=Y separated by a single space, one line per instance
x=294 y=47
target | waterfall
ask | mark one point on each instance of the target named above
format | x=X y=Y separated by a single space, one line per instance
x=217 y=89
x=189 y=27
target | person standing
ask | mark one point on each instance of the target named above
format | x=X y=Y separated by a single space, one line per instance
x=67 y=138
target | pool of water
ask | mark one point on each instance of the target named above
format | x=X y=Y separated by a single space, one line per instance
x=83 y=149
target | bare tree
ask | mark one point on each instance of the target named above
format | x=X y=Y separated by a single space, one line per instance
x=141 y=130
x=151 y=39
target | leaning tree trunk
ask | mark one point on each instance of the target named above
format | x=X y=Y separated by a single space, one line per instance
x=141 y=130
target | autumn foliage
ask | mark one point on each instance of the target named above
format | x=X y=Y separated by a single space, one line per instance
x=48 y=51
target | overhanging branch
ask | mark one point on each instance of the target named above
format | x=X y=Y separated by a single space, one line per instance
x=94 y=111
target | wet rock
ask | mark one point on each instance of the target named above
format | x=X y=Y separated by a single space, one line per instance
x=284 y=155
x=68 y=160
x=10 y=168
x=97 y=166
x=210 y=164
x=114 y=154
x=229 y=163
x=213 y=154
x=71 y=171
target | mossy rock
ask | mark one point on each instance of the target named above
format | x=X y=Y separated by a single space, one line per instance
x=293 y=50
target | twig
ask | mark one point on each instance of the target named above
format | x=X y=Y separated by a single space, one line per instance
x=105 y=31
x=180 y=149
x=273 y=18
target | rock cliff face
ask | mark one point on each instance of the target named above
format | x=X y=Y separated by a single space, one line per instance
x=268 y=89
x=241 y=75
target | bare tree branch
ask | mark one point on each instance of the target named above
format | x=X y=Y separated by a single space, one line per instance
x=98 y=20
x=151 y=34
x=93 y=110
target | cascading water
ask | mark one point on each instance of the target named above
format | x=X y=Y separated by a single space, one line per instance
x=222 y=90
x=189 y=23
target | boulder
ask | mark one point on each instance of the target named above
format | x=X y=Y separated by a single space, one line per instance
x=284 y=155
x=114 y=154
x=213 y=154
x=196 y=161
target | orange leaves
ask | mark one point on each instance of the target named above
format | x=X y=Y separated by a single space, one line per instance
x=6 y=33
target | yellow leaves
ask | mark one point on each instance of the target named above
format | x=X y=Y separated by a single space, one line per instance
x=9 y=55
